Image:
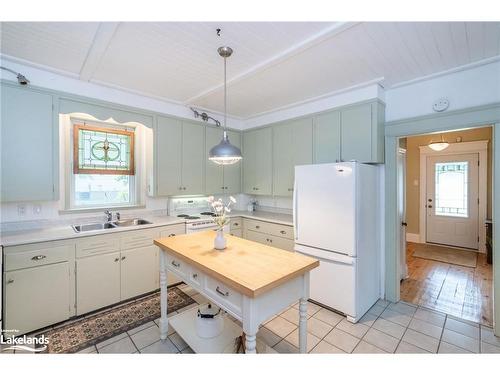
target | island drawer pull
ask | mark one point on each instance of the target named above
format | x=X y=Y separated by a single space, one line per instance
x=39 y=257
x=175 y=264
x=225 y=294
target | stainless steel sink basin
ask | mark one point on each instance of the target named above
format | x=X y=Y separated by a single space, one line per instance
x=130 y=222
x=92 y=226
x=109 y=225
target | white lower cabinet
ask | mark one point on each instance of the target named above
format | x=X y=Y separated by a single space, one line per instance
x=36 y=297
x=97 y=282
x=139 y=271
x=271 y=234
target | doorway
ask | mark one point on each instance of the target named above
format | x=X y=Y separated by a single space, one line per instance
x=447 y=199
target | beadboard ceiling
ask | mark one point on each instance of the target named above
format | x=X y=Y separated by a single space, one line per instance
x=274 y=64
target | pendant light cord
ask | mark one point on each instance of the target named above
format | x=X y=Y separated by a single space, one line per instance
x=225 y=98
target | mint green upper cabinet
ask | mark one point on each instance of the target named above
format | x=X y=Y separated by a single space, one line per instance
x=292 y=145
x=168 y=141
x=214 y=180
x=257 y=161
x=232 y=173
x=362 y=133
x=193 y=157
x=327 y=138
x=28 y=147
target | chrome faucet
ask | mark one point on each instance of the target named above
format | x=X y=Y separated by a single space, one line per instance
x=109 y=215
x=117 y=216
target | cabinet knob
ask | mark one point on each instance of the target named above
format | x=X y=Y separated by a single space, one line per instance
x=124 y=257
x=257 y=226
x=184 y=188
x=236 y=224
x=117 y=259
x=10 y=281
x=282 y=232
x=38 y=257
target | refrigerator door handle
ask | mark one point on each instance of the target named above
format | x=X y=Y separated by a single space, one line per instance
x=295 y=199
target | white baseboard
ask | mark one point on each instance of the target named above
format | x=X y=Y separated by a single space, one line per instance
x=413 y=237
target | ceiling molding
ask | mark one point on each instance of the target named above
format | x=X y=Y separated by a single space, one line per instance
x=17 y=60
x=102 y=38
x=457 y=69
x=313 y=40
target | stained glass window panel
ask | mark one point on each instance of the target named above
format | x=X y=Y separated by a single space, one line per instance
x=103 y=150
x=451 y=188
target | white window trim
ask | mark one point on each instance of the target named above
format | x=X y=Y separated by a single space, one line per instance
x=479 y=147
x=69 y=176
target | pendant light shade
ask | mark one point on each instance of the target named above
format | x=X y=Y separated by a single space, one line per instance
x=225 y=153
x=439 y=146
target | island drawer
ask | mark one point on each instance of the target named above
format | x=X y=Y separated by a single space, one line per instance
x=235 y=223
x=278 y=230
x=138 y=238
x=224 y=296
x=97 y=245
x=178 y=266
x=39 y=257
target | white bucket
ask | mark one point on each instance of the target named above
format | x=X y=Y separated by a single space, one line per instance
x=209 y=322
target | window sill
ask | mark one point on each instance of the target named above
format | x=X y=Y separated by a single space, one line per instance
x=100 y=209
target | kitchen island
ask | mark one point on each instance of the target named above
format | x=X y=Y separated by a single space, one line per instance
x=249 y=280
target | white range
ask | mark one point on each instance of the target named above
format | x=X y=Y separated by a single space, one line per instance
x=196 y=211
x=336 y=219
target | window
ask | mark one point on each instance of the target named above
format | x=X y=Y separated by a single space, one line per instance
x=103 y=167
x=451 y=189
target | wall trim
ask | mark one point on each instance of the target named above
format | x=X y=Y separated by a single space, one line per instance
x=476 y=147
x=413 y=237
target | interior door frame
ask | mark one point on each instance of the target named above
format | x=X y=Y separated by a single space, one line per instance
x=479 y=147
x=472 y=117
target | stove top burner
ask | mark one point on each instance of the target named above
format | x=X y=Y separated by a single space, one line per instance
x=207 y=213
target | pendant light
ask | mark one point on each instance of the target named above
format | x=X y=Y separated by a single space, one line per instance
x=225 y=153
x=440 y=145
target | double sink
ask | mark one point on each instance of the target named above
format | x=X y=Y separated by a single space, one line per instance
x=109 y=225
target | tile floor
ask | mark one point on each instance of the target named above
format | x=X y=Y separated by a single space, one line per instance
x=386 y=328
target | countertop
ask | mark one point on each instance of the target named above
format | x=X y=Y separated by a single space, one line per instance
x=65 y=231
x=236 y=264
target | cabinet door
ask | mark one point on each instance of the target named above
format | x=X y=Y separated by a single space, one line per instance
x=356 y=133
x=263 y=161
x=97 y=282
x=327 y=138
x=139 y=271
x=36 y=297
x=249 y=167
x=214 y=181
x=292 y=145
x=232 y=173
x=168 y=156
x=27 y=145
x=193 y=158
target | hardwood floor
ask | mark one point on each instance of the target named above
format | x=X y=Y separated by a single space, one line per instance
x=463 y=292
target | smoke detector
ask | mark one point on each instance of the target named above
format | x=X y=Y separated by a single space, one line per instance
x=441 y=105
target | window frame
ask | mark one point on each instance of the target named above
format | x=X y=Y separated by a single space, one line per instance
x=69 y=175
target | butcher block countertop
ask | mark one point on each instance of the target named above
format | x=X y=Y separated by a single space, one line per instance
x=248 y=267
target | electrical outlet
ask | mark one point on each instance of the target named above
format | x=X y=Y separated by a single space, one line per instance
x=37 y=209
x=21 y=209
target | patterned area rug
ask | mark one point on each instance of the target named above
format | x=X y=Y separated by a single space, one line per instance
x=76 y=336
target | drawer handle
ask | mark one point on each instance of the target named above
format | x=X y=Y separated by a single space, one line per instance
x=175 y=264
x=257 y=226
x=39 y=257
x=225 y=294
x=171 y=235
x=10 y=281
x=117 y=259
x=282 y=232
x=236 y=224
x=124 y=257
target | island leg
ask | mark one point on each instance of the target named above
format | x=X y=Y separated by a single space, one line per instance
x=250 y=343
x=303 y=325
x=163 y=295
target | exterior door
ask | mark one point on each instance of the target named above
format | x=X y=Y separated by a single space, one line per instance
x=452 y=200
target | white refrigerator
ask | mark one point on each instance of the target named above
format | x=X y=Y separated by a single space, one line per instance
x=336 y=214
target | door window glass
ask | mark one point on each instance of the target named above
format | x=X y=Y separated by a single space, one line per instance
x=452 y=189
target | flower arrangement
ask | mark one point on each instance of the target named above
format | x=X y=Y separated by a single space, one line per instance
x=220 y=210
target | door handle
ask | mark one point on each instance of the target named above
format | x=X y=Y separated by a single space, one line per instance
x=404 y=224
